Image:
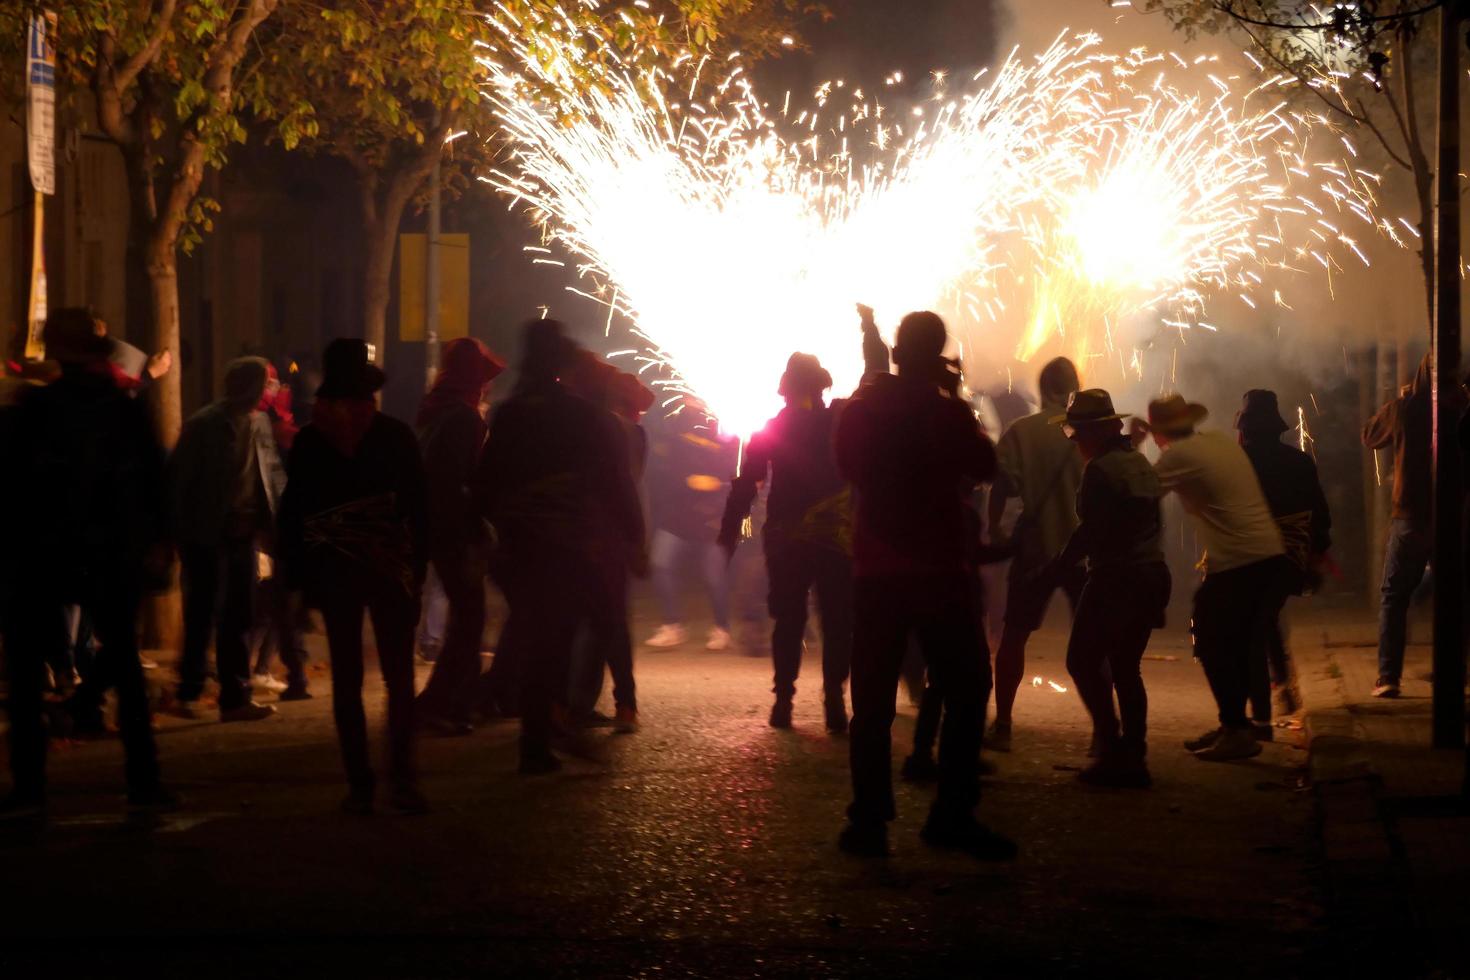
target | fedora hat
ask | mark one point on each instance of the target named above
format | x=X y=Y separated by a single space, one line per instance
x=347 y=372
x=1172 y=414
x=1260 y=412
x=1087 y=407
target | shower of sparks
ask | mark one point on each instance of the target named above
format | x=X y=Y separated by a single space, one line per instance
x=1062 y=192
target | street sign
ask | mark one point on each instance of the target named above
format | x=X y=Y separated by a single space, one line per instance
x=41 y=102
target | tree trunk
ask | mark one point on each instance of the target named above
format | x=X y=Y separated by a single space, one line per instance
x=382 y=213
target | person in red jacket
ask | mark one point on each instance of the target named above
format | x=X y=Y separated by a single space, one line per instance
x=913 y=451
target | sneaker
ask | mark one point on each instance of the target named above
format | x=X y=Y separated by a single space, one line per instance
x=265 y=682
x=1204 y=741
x=864 y=840
x=22 y=806
x=836 y=713
x=667 y=635
x=538 y=763
x=998 y=739
x=292 y=693
x=407 y=801
x=781 y=714
x=719 y=639
x=155 y=799
x=1387 y=687
x=626 y=722
x=920 y=769
x=358 y=801
x=969 y=835
x=428 y=654
x=147 y=663
x=1233 y=744
x=249 y=711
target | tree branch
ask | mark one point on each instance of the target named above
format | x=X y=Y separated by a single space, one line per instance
x=143 y=57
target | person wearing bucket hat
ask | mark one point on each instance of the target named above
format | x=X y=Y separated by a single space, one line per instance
x=1293 y=491
x=1039 y=466
x=556 y=483
x=807 y=535
x=1119 y=533
x=912 y=452
x=354 y=540
x=451 y=431
x=1244 y=562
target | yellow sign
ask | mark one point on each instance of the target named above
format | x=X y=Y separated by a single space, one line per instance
x=454 y=286
x=36 y=311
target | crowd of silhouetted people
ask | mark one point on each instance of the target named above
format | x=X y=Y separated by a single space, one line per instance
x=885 y=506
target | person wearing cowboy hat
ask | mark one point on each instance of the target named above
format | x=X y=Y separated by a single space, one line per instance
x=807 y=534
x=1119 y=533
x=1293 y=491
x=913 y=451
x=354 y=525
x=1243 y=561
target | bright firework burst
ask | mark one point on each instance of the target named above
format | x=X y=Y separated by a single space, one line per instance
x=1064 y=192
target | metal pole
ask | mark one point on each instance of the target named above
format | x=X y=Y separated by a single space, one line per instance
x=1449 y=579
x=431 y=283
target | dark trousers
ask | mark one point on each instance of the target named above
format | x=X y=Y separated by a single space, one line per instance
x=1269 y=661
x=938 y=608
x=219 y=592
x=450 y=691
x=35 y=627
x=394 y=617
x=1229 y=608
x=549 y=598
x=931 y=700
x=608 y=642
x=1410 y=547
x=499 y=689
x=1118 y=610
x=794 y=569
x=280 y=631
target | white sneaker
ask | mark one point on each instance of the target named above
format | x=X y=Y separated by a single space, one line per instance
x=667 y=635
x=719 y=639
x=265 y=682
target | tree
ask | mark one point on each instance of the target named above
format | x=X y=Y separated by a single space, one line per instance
x=1369 y=64
x=386 y=85
x=163 y=77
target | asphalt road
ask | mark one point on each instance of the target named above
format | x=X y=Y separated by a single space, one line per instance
x=703 y=846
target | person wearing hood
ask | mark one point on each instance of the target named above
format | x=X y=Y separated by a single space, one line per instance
x=556 y=484
x=224 y=487
x=354 y=539
x=1407 y=425
x=451 y=430
x=1039 y=466
x=807 y=535
x=90 y=530
x=913 y=452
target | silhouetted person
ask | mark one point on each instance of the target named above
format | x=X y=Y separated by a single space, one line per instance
x=912 y=451
x=555 y=483
x=1126 y=593
x=354 y=535
x=452 y=433
x=225 y=480
x=88 y=529
x=1293 y=491
x=1039 y=466
x=279 y=626
x=1406 y=424
x=807 y=535
x=1218 y=487
x=608 y=639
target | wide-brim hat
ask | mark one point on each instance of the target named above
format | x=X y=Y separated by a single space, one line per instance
x=804 y=375
x=1260 y=412
x=347 y=372
x=1087 y=407
x=1172 y=414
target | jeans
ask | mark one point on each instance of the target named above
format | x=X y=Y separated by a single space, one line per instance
x=938 y=608
x=219 y=592
x=35 y=627
x=608 y=642
x=666 y=552
x=436 y=613
x=795 y=568
x=1116 y=613
x=1229 y=608
x=394 y=617
x=450 y=692
x=1410 y=546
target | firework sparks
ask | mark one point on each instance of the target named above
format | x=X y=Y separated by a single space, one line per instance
x=1063 y=192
